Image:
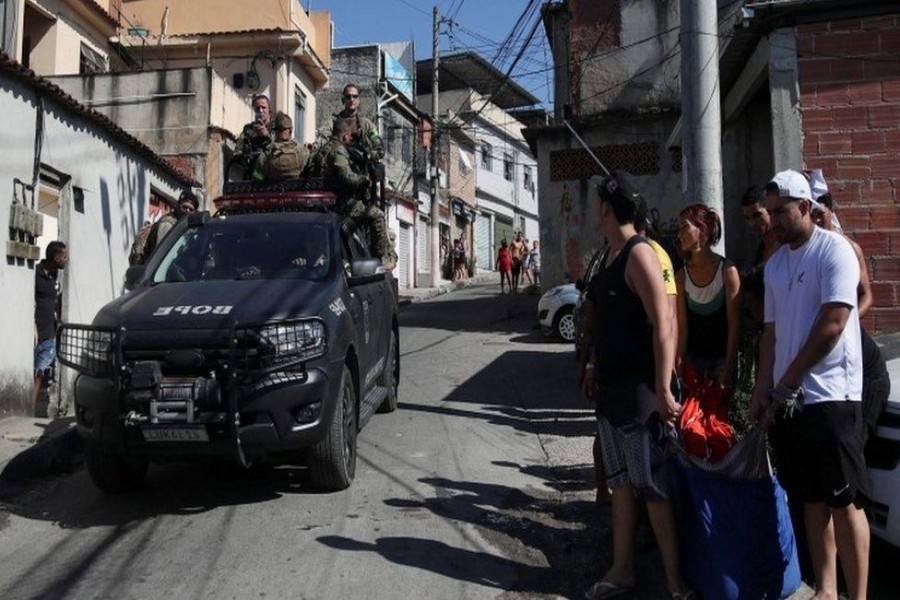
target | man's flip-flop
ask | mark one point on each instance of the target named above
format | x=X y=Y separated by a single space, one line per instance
x=603 y=590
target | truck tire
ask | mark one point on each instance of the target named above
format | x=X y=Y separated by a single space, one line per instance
x=390 y=377
x=113 y=472
x=332 y=461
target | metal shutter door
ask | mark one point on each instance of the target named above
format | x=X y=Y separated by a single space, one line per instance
x=483 y=242
x=403 y=257
x=423 y=234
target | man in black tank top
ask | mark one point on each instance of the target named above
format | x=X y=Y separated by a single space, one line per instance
x=628 y=375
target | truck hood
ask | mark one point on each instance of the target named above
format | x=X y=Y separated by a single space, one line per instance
x=215 y=304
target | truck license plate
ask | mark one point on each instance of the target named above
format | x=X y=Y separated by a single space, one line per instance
x=175 y=434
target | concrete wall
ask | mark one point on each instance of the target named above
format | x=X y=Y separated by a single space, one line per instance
x=849 y=75
x=170 y=110
x=116 y=182
x=633 y=42
x=746 y=160
x=202 y=16
x=568 y=197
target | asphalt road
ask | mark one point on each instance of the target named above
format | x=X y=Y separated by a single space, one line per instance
x=479 y=486
x=456 y=494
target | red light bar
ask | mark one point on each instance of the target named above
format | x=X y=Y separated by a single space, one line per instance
x=260 y=201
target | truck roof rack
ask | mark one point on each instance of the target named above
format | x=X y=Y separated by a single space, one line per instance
x=288 y=195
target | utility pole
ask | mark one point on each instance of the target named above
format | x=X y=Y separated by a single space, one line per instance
x=700 y=111
x=435 y=178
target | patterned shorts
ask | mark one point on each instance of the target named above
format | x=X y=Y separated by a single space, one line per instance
x=631 y=457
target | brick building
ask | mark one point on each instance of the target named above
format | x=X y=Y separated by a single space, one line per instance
x=829 y=92
x=804 y=84
x=850 y=112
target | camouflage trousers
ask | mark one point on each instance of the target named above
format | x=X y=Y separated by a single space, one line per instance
x=372 y=217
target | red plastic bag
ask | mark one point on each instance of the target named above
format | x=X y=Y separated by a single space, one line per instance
x=705 y=430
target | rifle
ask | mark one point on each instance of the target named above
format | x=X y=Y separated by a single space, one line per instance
x=362 y=161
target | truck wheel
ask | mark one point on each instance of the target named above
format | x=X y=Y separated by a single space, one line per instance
x=332 y=461
x=113 y=472
x=390 y=378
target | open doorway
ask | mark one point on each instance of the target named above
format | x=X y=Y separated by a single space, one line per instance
x=52 y=191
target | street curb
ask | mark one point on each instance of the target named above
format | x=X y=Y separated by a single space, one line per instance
x=59 y=450
x=445 y=288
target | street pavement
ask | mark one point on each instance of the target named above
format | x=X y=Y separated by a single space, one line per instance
x=479 y=486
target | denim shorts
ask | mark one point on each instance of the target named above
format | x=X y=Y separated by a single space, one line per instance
x=44 y=355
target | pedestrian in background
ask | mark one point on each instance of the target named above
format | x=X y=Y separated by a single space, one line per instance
x=47 y=312
x=535 y=262
x=504 y=265
x=516 y=253
x=629 y=377
x=526 y=263
x=460 y=268
x=813 y=370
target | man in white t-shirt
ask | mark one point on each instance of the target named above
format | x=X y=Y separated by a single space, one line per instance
x=810 y=354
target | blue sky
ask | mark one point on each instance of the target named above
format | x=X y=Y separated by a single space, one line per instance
x=479 y=25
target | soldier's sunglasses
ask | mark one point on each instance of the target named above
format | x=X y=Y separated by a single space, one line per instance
x=350 y=96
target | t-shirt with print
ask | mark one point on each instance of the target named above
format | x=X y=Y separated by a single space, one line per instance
x=798 y=282
x=665 y=261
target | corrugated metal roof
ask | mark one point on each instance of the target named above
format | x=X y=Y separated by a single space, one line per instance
x=38 y=83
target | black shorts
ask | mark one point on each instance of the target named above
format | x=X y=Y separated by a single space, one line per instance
x=819 y=453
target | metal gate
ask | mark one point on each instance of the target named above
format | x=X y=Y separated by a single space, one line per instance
x=483 y=251
x=424 y=246
x=403 y=256
x=503 y=230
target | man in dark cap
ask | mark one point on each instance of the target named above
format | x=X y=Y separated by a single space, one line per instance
x=629 y=377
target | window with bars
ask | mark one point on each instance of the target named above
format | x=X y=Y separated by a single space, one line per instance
x=638 y=159
x=509 y=167
x=487 y=156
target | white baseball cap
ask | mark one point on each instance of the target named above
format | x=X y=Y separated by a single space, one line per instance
x=817 y=184
x=790 y=184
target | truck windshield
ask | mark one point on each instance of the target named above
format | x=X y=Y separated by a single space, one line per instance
x=226 y=249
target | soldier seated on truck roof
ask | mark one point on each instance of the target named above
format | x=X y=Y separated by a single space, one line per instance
x=284 y=158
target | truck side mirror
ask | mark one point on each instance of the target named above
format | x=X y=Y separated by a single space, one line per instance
x=365 y=267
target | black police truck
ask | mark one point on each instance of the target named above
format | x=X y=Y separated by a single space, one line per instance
x=266 y=333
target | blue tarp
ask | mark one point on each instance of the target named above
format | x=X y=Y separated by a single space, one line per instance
x=736 y=537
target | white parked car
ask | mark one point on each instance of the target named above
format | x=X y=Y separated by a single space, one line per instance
x=883 y=462
x=555 y=311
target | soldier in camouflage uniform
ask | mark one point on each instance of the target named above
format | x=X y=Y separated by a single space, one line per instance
x=364 y=133
x=256 y=136
x=284 y=158
x=332 y=163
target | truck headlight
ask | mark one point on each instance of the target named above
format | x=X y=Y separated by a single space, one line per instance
x=87 y=349
x=297 y=340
